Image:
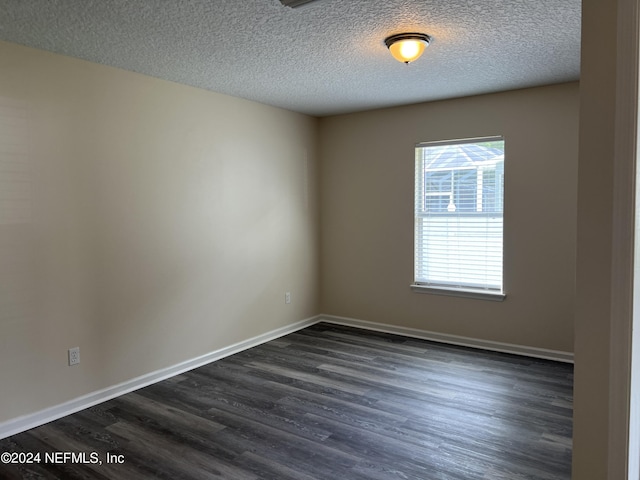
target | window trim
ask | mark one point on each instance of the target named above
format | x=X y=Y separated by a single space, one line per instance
x=451 y=290
x=492 y=295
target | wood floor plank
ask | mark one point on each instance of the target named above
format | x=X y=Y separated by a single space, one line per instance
x=326 y=402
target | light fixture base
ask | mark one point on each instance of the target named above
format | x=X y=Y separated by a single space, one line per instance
x=295 y=3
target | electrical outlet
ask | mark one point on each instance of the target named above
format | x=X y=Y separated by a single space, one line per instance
x=74 y=356
x=287 y=297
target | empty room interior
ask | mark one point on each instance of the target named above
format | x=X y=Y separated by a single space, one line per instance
x=208 y=238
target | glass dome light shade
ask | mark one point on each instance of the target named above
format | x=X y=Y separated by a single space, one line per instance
x=407 y=47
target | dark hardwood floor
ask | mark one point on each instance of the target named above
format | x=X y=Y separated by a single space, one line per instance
x=327 y=402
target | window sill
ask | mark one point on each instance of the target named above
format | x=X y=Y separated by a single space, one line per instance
x=459 y=292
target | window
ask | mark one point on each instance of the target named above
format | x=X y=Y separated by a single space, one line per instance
x=459 y=197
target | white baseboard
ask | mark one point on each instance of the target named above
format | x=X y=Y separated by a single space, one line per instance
x=26 y=422
x=556 y=355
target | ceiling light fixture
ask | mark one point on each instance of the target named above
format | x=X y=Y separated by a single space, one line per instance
x=407 y=47
x=295 y=3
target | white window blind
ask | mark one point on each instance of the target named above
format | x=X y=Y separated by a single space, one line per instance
x=459 y=198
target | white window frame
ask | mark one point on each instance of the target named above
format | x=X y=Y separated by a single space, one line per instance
x=459 y=287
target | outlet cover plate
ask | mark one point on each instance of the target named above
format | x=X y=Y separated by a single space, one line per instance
x=74 y=356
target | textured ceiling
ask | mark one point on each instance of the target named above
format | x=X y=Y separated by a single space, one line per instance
x=324 y=58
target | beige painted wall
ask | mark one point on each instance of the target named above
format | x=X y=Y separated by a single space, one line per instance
x=144 y=221
x=594 y=252
x=367 y=175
